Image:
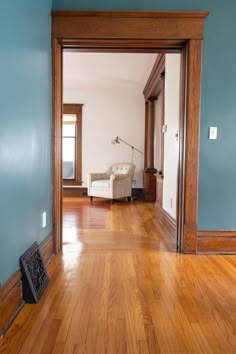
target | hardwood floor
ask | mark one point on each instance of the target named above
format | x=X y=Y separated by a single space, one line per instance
x=119 y=287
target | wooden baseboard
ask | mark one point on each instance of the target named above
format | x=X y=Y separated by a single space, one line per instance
x=79 y=192
x=47 y=248
x=167 y=222
x=75 y=192
x=211 y=241
x=11 y=299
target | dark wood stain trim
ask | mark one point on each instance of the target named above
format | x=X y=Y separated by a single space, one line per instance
x=57 y=109
x=77 y=110
x=123 y=24
x=151 y=29
x=74 y=192
x=153 y=86
x=130 y=14
x=118 y=46
x=182 y=150
x=193 y=95
x=216 y=241
x=47 y=249
x=11 y=301
x=166 y=221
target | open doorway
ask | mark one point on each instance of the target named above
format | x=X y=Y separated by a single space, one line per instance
x=109 y=92
x=138 y=32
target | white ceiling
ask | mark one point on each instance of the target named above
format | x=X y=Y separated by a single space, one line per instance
x=106 y=70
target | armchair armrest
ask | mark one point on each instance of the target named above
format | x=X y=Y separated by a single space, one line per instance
x=95 y=176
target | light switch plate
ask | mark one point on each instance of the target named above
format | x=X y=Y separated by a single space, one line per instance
x=44 y=219
x=213 y=133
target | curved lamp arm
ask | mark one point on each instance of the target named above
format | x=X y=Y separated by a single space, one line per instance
x=118 y=139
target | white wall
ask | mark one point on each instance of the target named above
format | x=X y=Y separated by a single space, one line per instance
x=106 y=114
x=171 y=144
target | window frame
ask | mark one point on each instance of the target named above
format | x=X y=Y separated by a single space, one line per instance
x=77 y=110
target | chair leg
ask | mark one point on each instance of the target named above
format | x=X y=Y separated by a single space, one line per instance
x=91 y=198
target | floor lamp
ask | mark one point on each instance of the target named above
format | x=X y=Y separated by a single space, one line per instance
x=118 y=140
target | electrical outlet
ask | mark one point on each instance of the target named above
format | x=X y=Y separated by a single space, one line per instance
x=213 y=133
x=44 y=219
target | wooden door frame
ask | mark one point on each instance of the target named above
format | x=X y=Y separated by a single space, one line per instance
x=129 y=31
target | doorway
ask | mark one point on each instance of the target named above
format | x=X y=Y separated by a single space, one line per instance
x=142 y=32
x=115 y=88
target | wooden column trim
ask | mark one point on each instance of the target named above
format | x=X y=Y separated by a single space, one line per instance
x=76 y=108
x=194 y=57
x=146 y=134
x=56 y=141
x=150 y=134
x=162 y=99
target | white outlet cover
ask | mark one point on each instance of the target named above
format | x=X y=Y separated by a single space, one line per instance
x=44 y=219
x=213 y=133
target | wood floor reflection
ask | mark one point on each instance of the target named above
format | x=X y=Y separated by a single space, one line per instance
x=120 y=287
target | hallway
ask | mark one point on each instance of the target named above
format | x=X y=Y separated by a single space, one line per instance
x=119 y=287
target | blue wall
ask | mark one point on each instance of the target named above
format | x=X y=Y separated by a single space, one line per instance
x=25 y=117
x=217 y=180
x=25 y=128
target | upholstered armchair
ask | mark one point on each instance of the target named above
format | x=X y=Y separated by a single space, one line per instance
x=115 y=183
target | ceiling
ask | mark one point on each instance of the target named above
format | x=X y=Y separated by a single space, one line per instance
x=106 y=70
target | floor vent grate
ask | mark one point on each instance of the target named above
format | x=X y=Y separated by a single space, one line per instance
x=34 y=275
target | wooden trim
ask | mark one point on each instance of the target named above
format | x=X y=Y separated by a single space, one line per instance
x=153 y=86
x=123 y=24
x=182 y=150
x=72 y=108
x=74 y=192
x=47 y=249
x=57 y=104
x=118 y=46
x=159 y=189
x=162 y=102
x=150 y=131
x=193 y=98
x=150 y=185
x=154 y=90
x=130 y=14
x=126 y=30
x=11 y=301
x=77 y=110
x=166 y=221
x=216 y=241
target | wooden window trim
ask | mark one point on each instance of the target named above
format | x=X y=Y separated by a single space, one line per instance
x=77 y=110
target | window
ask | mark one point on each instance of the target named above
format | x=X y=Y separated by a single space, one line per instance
x=71 y=144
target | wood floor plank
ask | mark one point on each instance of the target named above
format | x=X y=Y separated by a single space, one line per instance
x=119 y=287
